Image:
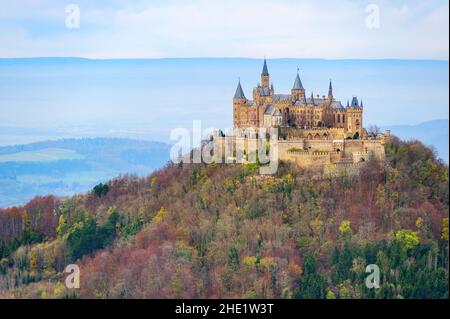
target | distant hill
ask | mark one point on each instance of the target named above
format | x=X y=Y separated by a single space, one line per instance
x=432 y=133
x=69 y=166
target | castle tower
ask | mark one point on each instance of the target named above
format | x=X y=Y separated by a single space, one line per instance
x=265 y=83
x=239 y=95
x=298 y=92
x=354 y=118
x=239 y=100
x=330 y=92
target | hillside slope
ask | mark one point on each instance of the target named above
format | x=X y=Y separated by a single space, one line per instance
x=215 y=231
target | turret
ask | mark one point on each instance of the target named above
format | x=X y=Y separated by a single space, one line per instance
x=239 y=96
x=239 y=100
x=265 y=83
x=355 y=102
x=298 y=92
x=355 y=118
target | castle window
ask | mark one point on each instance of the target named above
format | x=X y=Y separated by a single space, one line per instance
x=343 y=118
x=339 y=118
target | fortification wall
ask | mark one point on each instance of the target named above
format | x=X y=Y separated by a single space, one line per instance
x=284 y=146
x=312 y=153
x=352 y=146
x=319 y=145
x=375 y=148
x=308 y=159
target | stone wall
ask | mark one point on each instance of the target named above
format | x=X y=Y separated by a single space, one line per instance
x=307 y=159
x=316 y=153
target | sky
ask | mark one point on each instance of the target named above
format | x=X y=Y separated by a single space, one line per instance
x=233 y=28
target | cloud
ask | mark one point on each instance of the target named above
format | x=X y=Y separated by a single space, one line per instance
x=253 y=28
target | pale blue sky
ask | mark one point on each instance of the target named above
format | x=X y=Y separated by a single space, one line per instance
x=232 y=28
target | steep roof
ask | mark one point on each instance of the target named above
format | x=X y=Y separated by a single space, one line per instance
x=265 y=71
x=281 y=97
x=239 y=92
x=336 y=105
x=355 y=102
x=298 y=83
x=310 y=100
x=272 y=110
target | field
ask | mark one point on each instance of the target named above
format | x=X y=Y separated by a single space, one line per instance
x=44 y=155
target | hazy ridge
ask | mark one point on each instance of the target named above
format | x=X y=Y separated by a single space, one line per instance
x=97 y=160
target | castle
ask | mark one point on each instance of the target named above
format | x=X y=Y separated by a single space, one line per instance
x=268 y=109
x=315 y=132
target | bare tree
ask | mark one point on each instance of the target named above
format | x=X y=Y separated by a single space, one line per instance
x=374 y=131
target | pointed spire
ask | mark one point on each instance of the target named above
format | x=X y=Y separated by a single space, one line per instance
x=312 y=97
x=298 y=83
x=239 y=92
x=361 y=104
x=348 y=103
x=265 y=71
x=330 y=91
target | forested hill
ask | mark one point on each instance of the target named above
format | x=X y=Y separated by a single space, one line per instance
x=213 y=231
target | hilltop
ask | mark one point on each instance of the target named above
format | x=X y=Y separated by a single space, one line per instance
x=217 y=231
